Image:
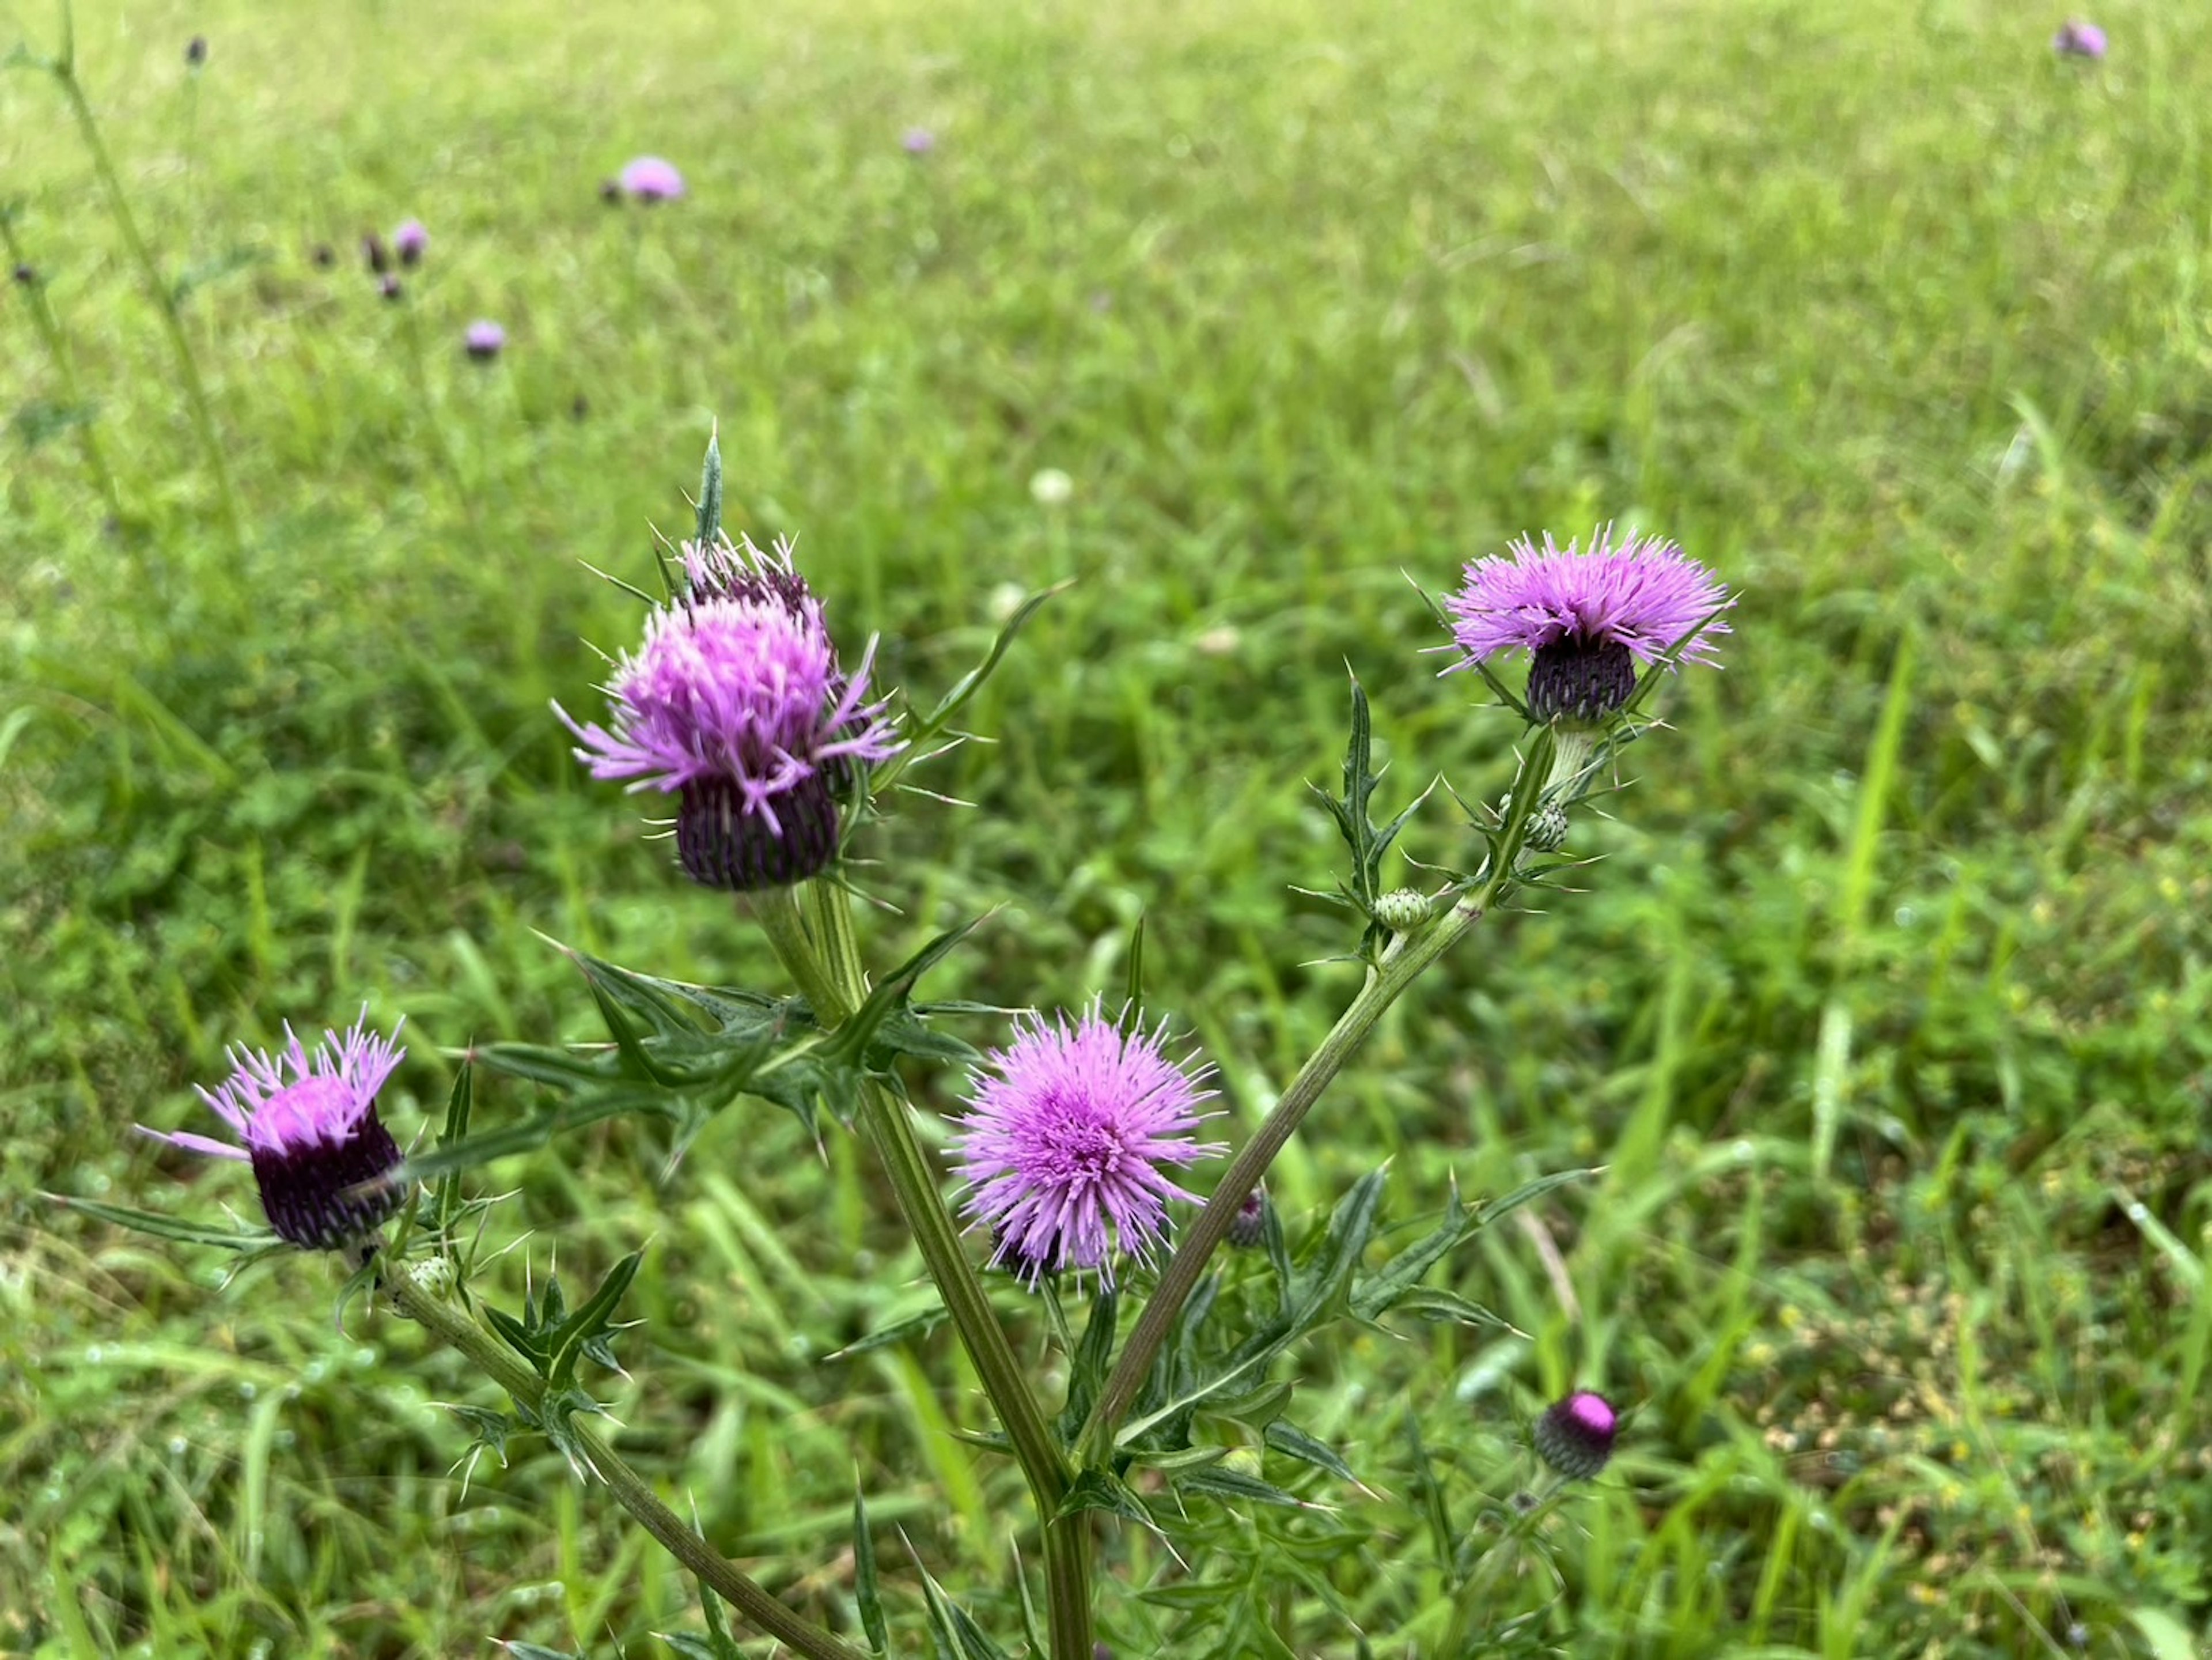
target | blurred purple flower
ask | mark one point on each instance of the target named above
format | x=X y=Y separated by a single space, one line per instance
x=1586 y=619
x=2075 y=38
x=1072 y=1135
x=411 y=241
x=319 y=1153
x=388 y=285
x=1575 y=1436
x=735 y=704
x=917 y=141
x=485 y=339
x=649 y=179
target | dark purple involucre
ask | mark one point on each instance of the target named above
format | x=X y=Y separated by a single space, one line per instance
x=319 y=1154
x=1067 y=1149
x=1586 y=619
x=736 y=705
x=1575 y=1436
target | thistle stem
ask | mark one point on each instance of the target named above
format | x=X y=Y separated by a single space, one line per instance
x=1401 y=963
x=508 y=1369
x=49 y=331
x=165 y=300
x=817 y=946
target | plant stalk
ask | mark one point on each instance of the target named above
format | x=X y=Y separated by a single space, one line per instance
x=165 y=301
x=817 y=946
x=506 y=1369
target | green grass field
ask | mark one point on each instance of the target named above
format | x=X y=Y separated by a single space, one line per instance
x=1887 y=1010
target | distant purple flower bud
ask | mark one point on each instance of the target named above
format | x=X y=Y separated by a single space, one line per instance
x=1250 y=1225
x=610 y=191
x=325 y=255
x=917 y=141
x=485 y=339
x=1586 y=619
x=2078 y=39
x=27 y=275
x=649 y=179
x=388 y=285
x=411 y=242
x=1073 y=1133
x=373 y=250
x=320 y=1155
x=1575 y=1436
x=195 y=51
x=735 y=704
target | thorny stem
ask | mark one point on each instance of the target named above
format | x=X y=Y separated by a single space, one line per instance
x=1400 y=964
x=508 y=1370
x=817 y=946
x=164 y=301
x=49 y=331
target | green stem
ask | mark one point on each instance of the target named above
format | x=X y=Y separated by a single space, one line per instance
x=818 y=947
x=164 y=301
x=508 y=1369
x=1400 y=964
x=49 y=331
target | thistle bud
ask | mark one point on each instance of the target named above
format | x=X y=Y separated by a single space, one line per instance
x=1575 y=1436
x=1402 y=911
x=1250 y=1225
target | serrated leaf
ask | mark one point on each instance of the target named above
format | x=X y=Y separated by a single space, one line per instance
x=567 y=1339
x=1350 y=1224
x=1096 y=1489
x=460 y=1104
x=1255 y=1408
x=538 y=1652
x=1292 y=1442
x=1218 y=1483
x=1425 y=1303
x=709 y=519
x=172 y=1227
x=1403 y=1272
x=899 y=1331
x=961 y=1637
x=1179 y=1459
x=851 y=1042
x=1088 y=1366
x=489 y=1427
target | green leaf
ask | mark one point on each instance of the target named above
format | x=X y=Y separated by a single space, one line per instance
x=1096 y=1489
x=1292 y=1442
x=899 y=1331
x=566 y=1340
x=458 y=1105
x=1088 y=1366
x=958 y=1635
x=710 y=490
x=1432 y=1495
x=170 y=1227
x=1424 y=1304
x=865 y=1591
x=201 y=273
x=1217 y=1483
x=1377 y=1291
x=2168 y=1638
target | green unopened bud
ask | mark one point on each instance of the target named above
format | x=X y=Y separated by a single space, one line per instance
x=1402 y=911
x=1548 y=829
x=433 y=1274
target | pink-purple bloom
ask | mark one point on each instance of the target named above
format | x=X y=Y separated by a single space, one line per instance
x=1587 y=619
x=2076 y=38
x=411 y=242
x=649 y=179
x=1067 y=1149
x=917 y=141
x=737 y=705
x=485 y=339
x=321 y=1157
x=1575 y=1436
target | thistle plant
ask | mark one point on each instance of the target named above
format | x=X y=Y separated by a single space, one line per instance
x=1075 y=1165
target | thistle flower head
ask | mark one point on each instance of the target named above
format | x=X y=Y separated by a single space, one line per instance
x=649 y=179
x=735 y=704
x=483 y=339
x=319 y=1153
x=2076 y=38
x=1067 y=1149
x=1575 y=1436
x=1586 y=619
x=1250 y=1225
x=411 y=242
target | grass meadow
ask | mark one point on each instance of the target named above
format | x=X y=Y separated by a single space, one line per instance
x=1886 y=1011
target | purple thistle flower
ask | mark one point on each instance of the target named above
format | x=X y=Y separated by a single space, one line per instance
x=649 y=179
x=389 y=285
x=736 y=703
x=1072 y=1133
x=411 y=242
x=319 y=1153
x=917 y=141
x=2075 y=38
x=1575 y=1436
x=1586 y=619
x=484 y=340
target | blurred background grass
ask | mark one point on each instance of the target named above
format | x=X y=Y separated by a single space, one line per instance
x=1887 y=1008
